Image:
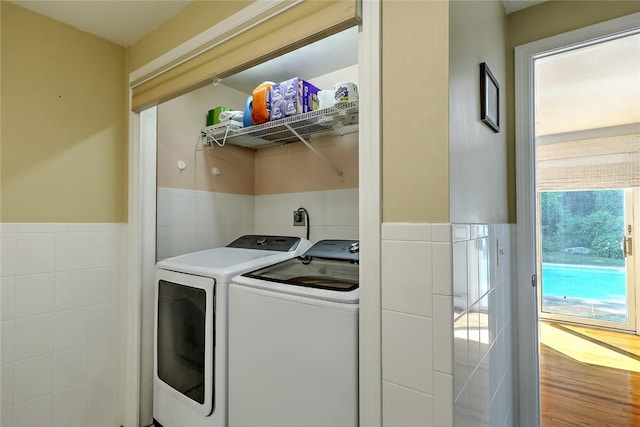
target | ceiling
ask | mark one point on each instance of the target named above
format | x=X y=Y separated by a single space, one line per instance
x=515 y=5
x=120 y=21
x=126 y=21
x=592 y=87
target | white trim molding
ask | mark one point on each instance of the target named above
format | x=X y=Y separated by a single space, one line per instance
x=526 y=295
x=200 y=43
x=370 y=217
x=138 y=246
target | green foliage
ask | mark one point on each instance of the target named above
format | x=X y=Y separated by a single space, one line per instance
x=583 y=219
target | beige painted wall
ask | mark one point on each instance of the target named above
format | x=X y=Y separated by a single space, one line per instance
x=285 y=169
x=415 y=137
x=1 y=3
x=179 y=123
x=293 y=168
x=545 y=20
x=63 y=137
x=478 y=31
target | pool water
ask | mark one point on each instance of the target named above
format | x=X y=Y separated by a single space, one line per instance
x=584 y=282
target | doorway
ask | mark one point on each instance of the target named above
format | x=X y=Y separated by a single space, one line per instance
x=577 y=124
x=585 y=165
x=142 y=185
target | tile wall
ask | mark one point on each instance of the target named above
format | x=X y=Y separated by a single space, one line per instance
x=59 y=292
x=446 y=340
x=333 y=214
x=190 y=220
x=417 y=334
x=482 y=281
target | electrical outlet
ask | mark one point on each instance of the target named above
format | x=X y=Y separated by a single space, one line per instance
x=298 y=218
x=499 y=252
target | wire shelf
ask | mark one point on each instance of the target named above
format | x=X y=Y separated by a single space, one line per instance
x=341 y=119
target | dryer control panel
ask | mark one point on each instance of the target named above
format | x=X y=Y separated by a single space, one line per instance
x=344 y=250
x=268 y=243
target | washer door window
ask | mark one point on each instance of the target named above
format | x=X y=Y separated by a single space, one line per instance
x=184 y=339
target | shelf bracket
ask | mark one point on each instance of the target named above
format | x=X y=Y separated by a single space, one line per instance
x=317 y=153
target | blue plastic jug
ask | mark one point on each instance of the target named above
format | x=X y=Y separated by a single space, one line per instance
x=246 y=118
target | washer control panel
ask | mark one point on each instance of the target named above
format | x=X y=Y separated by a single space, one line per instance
x=346 y=250
x=269 y=243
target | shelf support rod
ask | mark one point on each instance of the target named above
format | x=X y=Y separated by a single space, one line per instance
x=317 y=153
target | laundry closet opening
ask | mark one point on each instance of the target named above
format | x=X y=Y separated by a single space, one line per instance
x=213 y=186
x=211 y=190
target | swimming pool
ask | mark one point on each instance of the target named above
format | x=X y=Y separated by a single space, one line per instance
x=584 y=282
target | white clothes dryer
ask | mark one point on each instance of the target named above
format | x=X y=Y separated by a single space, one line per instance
x=191 y=327
x=293 y=341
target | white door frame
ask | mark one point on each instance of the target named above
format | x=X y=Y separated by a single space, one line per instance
x=527 y=304
x=141 y=246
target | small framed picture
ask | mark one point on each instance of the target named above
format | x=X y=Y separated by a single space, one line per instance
x=489 y=98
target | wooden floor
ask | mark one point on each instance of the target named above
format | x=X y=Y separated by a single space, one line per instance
x=589 y=377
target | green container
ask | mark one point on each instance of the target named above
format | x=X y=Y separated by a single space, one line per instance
x=213 y=118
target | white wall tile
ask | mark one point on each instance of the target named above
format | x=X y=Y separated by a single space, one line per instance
x=104 y=419
x=407 y=350
x=102 y=357
x=35 y=253
x=32 y=227
x=164 y=213
x=6 y=417
x=473 y=271
x=7 y=386
x=71 y=328
x=443 y=334
x=70 y=406
x=460 y=353
x=163 y=243
x=406 y=277
x=101 y=286
x=33 y=336
x=405 y=407
x=183 y=208
x=100 y=323
x=37 y=412
x=101 y=395
x=478 y=385
x=460 y=232
x=203 y=214
x=442 y=233
x=460 y=278
x=407 y=232
x=70 y=368
x=73 y=251
x=88 y=227
x=104 y=249
x=7 y=336
x=7 y=254
x=33 y=378
x=182 y=238
x=44 y=311
x=72 y=289
x=34 y=294
x=7 y=297
x=442 y=254
x=443 y=399
x=201 y=238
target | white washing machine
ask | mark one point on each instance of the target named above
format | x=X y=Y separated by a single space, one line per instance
x=293 y=341
x=190 y=357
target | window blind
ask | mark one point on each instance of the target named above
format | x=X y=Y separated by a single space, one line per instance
x=598 y=164
x=246 y=46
